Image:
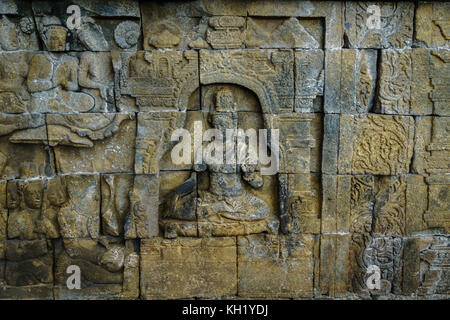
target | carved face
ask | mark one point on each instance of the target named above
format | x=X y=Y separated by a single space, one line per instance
x=56 y=38
x=13 y=197
x=33 y=194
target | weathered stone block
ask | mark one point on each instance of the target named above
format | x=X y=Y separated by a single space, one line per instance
x=163 y=27
x=109 y=269
x=21 y=151
x=104 y=142
x=390 y=206
x=309 y=78
x=333 y=14
x=345 y=260
x=284 y=33
x=347 y=203
x=79 y=216
x=115 y=207
x=414 y=81
x=24 y=200
x=14 y=95
x=433 y=19
x=187 y=268
x=28 y=272
x=268 y=73
x=395 y=24
x=350 y=81
x=375 y=144
x=425 y=266
x=295 y=141
x=427 y=205
x=276 y=267
x=159 y=80
x=3 y=210
x=431 y=145
x=330 y=144
x=18 y=30
x=144 y=200
x=334 y=265
x=153 y=139
x=300 y=202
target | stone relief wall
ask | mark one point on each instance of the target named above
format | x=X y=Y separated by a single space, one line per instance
x=87 y=178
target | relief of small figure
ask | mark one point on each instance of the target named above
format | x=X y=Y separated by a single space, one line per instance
x=53 y=78
x=96 y=77
x=24 y=202
x=55 y=195
x=226 y=207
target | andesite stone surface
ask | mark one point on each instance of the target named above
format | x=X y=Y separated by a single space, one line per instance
x=87 y=170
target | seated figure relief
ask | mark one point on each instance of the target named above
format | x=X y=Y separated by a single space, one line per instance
x=226 y=207
x=53 y=83
x=53 y=78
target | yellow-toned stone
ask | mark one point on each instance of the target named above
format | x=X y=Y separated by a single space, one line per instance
x=397 y=15
x=3 y=210
x=375 y=144
x=432 y=146
x=433 y=19
x=87 y=143
x=187 y=268
x=276 y=267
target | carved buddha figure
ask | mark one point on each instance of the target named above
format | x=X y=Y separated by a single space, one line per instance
x=227 y=207
x=53 y=78
x=226 y=196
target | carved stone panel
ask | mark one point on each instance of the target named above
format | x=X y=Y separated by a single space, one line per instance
x=18 y=29
x=28 y=272
x=3 y=210
x=159 y=80
x=350 y=81
x=395 y=27
x=103 y=26
x=268 y=73
x=431 y=145
x=375 y=144
x=109 y=269
x=331 y=13
x=78 y=139
x=414 y=81
x=22 y=147
x=188 y=267
x=276 y=267
x=224 y=149
x=433 y=19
